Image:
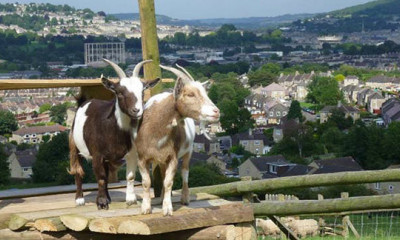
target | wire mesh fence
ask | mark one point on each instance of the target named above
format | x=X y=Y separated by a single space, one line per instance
x=368 y=226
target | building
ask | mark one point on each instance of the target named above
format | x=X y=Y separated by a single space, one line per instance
x=34 y=135
x=343 y=164
x=254 y=142
x=203 y=145
x=351 y=80
x=95 y=52
x=348 y=111
x=271 y=167
x=274 y=91
x=21 y=163
x=275 y=112
x=386 y=187
x=390 y=111
x=374 y=102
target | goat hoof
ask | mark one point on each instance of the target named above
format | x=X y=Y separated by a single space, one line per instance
x=167 y=210
x=131 y=199
x=80 y=202
x=185 y=201
x=146 y=211
x=129 y=203
x=102 y=203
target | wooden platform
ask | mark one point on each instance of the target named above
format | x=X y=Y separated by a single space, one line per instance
x=55 y=216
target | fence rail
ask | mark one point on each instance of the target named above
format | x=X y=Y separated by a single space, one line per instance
x=262 y=186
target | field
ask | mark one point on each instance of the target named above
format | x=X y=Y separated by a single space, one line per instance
x=375 y=226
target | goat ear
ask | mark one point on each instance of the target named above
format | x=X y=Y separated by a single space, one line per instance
x=110 y=85
x=151 y=83
x=178 y=87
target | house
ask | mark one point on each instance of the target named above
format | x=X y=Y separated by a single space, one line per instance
x=390 y=111
x=203 y=145
x=254 y=103
x=270 y=167
x=350 y=93
x=275 y=111
x=254 y=142
x=386 y=187
x=274 y=91
x=351 y=80
x=362 y=96
x=34 y=135
x=383 y=82
x=225 y=143
x=3 y=139
x=374 y=102
x=343 y=164
x=349 y=111
x=21 y=162
x=201 y=158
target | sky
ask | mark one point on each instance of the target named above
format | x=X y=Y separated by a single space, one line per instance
x=201 y=9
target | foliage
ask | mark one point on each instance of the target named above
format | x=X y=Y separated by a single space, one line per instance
x=51 y=158
x=4 y=167
x=203 y=175
x=58 y=113
x=324 y=91
x=8 y=123
x=239 y=150
x=295 y=111
x=44 y=107
x=265 y=75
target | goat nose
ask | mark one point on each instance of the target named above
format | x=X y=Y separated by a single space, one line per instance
x=216 y=110
x=136 y=110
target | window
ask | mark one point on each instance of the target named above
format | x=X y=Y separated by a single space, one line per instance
x=377 y=186
x=244 y=143
x=25 y=169
x=278 y=114
x=273 y=168
x=284 y=113
x=34 y=135
x=391 y=187
x=27 y=135
x=271 y=114
x=256 y=142
x=34 y=140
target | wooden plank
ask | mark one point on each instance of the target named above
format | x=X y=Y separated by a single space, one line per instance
x=288 y=208
x=353 y=229
x=19 y=220
x=197 y=218
x=10 y=84
x=286 y=231
x=245 y=231
x=304 y=181
x=49 y=225
x=110 y=223
x=193 y=234
x=34 y=192
x=75 y=222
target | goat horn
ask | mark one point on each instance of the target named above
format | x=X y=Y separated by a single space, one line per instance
x=185 y=71
x=178 y=73
x=121 y=74
x=138 y=66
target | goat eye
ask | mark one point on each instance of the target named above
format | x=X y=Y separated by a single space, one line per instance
x=190 y=95
x=119 y=94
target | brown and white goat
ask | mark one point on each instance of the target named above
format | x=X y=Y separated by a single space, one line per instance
x=167 y=133
x=104 y=131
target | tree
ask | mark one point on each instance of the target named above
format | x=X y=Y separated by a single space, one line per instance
x=324 y=91
x=44 y=107
x=234 y=119
x=8 y=123
x=295 y=111
x=58 y=113
x=50 y=157
x=4 y=167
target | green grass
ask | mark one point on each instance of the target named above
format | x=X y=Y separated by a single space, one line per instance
x=307 y=105
x=384 y=225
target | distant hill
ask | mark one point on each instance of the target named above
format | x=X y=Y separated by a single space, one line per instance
x=244 y=23
x=375 y=15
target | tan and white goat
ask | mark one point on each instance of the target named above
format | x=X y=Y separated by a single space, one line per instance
x=167 y=133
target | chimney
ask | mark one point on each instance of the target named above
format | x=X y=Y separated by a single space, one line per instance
x=339 y=104
x=250 y=132
x=297 y=73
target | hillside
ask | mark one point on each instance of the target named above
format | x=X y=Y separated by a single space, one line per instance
x=244 y=23
x=376 y=15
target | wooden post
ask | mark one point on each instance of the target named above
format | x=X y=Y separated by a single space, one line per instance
x=152 y=70
x=247 y=197
x=321 y=221
x=346 y=218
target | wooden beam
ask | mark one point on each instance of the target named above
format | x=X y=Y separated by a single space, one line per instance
x=286 y=231
x=326 y=206
x=261 y=186
x=15 y=84
x=49 y=225
x=197 y=218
